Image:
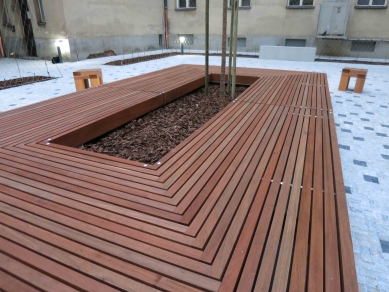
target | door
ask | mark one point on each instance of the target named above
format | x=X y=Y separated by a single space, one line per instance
x=27 y=29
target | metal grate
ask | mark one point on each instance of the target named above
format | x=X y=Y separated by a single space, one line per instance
x=363 y=46
x=189 y=39
x=295 y=42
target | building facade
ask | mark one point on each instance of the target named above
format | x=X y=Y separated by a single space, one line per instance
x=81 y=28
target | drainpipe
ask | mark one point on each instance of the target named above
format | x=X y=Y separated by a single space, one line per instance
x=166 y=20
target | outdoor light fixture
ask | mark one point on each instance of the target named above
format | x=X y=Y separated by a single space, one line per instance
x=182 y=40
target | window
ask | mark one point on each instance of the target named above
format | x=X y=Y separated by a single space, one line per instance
x=300 y=2
x=242 y=3
x=241 y=42
x=189 y=39
x=184 y=4
x=372 y=2
x=160 y=40
x=40 y=13
x=363 y=46
x=295 y=43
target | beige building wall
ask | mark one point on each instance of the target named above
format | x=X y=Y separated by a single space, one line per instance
x=271 y=22
x=122 y=25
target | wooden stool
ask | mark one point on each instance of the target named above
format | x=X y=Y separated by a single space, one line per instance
x=81 y=78
x=352 y=72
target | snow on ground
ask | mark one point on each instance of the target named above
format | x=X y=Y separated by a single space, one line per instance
x=362 y=129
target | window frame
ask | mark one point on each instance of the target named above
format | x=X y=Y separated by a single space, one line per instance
x=301 y=5
x=239 y=4
x=370 y=5
x=187 y=7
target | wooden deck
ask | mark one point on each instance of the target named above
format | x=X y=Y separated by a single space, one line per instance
x=252 y=201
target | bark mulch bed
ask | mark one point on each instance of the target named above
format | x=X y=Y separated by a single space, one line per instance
x=22 y=81
x=354 y=62
x=148 y=138
x=141 y=59
x=160 y=56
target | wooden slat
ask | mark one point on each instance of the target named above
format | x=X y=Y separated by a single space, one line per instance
x=252 y=201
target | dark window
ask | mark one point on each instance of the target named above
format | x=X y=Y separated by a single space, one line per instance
x=241 y=42
x=181 y=3
x=362 y=46
x=192 y=3
x=246 y=3
x=300 y=2
x=295 y=42
x=160 y=38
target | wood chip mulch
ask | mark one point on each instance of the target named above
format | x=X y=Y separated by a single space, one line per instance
x=148 y=138
x=22 y=81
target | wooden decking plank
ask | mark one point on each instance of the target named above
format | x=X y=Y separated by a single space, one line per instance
x=346 y=253
x=10 y=283
x=30 y=275
x=115 y=250
x=57 y=271
x=298 y=277
x=331 y=262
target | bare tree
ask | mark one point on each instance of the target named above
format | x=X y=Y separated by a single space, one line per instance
x=230 y=47
x=207 y=47
x=224 y=51
x=235 y=46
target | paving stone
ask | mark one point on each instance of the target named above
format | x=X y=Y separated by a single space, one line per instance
x=370 y=113
x=345 y=147
x=369 y=128
x=353 y=114
x=365 y=120
x=385 y=126
x=358 y=105
x=349 y=123
x=381 y=135
x=336 y=124
x=385 y=156
x=346 y=130
x=385 y=246
x=372 y=179
x=360 y=163
x=358 y=139
x=348 y=190
x=386 y=147
x=341 y=115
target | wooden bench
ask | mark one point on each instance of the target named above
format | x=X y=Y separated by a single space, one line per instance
x=82 y=77
x=252 y=201
x=347 y=73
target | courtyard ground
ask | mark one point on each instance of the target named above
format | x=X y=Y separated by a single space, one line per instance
x=362 y=129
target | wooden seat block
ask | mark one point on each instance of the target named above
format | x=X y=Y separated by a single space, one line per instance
x=82 y=77
x=347 y=73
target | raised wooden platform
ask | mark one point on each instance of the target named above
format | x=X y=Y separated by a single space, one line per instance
x=252 y=201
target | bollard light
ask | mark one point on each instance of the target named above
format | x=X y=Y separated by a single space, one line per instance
x=182 y=40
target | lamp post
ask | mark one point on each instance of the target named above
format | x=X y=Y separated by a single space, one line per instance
x=182 y=40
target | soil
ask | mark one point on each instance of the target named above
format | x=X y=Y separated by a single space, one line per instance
x=160 y=56
x=22 y=81
x=148 y=138
x=353 y=62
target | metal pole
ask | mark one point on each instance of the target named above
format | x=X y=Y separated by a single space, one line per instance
x=235 y=48
x=230 y=49
x=207 y=47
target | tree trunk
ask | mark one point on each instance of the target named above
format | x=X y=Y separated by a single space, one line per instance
x=207 y=47
x=235 y=48
x=230 y=48
x=224 y=51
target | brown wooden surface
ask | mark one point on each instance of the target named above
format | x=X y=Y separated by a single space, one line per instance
x=252 y=201
x=360 y=74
